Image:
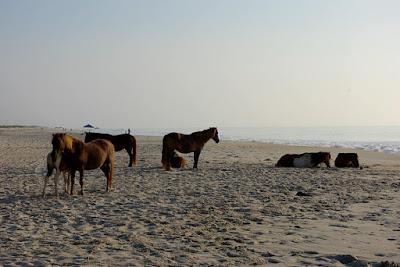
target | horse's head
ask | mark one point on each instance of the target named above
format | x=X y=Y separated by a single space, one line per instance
x=60 y=143
x=215 y=134
x=325 y=158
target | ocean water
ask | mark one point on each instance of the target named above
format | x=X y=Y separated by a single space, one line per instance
x=376 y=138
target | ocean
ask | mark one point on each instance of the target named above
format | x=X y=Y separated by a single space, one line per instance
x=376 y=138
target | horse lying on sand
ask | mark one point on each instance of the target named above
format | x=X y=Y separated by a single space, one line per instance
x=79 y=156
x=121 y=141
x=60 y=167
x=305 y=160
x=344 y=160
x=177 y=161
x=186 y=143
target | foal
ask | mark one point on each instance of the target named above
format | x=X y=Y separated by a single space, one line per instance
x=61 y=167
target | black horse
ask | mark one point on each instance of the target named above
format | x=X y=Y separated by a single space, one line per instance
x=121 y=141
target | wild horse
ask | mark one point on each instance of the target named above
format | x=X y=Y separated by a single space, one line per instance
x=80 y=156
x=186 y=143
x=121 y=141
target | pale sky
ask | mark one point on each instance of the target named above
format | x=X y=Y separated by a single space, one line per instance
x=157 y=64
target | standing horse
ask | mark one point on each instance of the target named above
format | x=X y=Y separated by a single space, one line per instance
x=121 y=141
x=186 y=143
x=60 y=167
x=79 y=156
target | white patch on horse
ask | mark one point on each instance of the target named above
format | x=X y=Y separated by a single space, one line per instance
x=56 y=165
x=304 y=161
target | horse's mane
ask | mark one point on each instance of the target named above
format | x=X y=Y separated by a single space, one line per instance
x=204 y=132
x=68 y=140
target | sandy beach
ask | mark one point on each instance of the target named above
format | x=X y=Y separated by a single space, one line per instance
x=236 y=209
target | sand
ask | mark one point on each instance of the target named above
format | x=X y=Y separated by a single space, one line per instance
x=236 y=209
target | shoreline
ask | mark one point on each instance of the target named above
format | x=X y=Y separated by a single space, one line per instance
x=322 y=145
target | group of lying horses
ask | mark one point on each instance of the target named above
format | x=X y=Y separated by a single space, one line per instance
x=70 y=154
x=310 y=160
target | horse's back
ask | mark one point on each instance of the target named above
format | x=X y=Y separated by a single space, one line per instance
x=93 y=136
x=121 y=141
x=97 y=152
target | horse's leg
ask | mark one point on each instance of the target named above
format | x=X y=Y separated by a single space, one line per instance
x=68 y=182
x=166 y=156
x=45 y=180
x=108 y=173
x=129 y=150
x=170 y=154
x=196 y=158
x=81 y=180
x=65 y=182
x=72 y=181
x=56 y=182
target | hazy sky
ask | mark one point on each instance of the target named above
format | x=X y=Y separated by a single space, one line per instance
x=201 y=63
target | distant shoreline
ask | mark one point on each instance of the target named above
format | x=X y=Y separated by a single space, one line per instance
x=20 y=126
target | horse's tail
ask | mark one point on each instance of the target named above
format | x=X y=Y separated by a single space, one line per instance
x=134 y=150
x=164 y=158
x=111 y=154
x=50 y=165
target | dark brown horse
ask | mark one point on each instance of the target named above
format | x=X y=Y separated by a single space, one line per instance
x=344 y=160
x=186 y=143
x=79 y=156
x=121 y=141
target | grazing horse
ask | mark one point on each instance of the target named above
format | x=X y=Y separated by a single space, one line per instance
x=305 y=160
x=344 y=160
x=60 y=167
x=177 y=161
x=186 y=143
x=121 y=141
x=80 y=156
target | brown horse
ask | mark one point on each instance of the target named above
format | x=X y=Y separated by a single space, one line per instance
x=345 y=160
x=121 y=141
x=186 y=143
x=60 y=167
x=79 y=156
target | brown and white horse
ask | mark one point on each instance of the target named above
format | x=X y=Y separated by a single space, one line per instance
x=79 y=156
x=186 y=143
x=60 y=167
x=305 y=160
